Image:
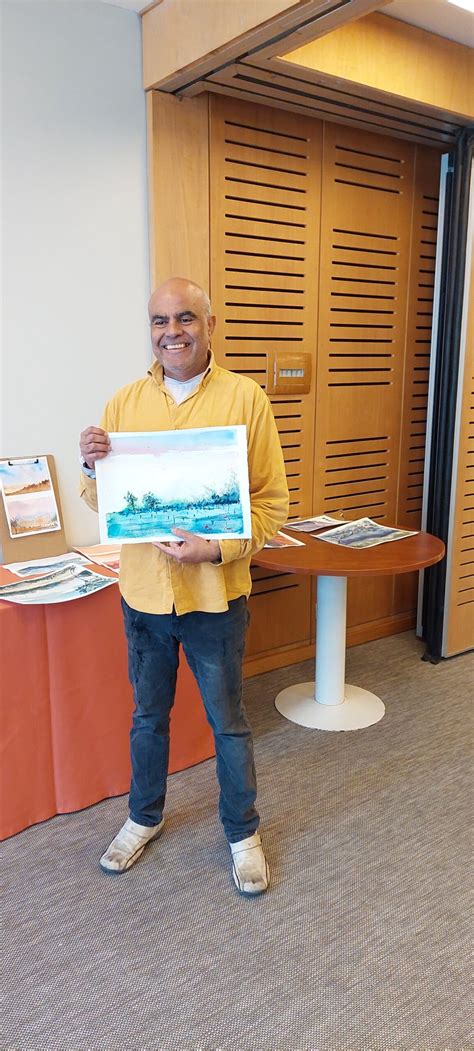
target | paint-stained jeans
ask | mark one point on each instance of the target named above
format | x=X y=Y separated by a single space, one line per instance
x=214 y=646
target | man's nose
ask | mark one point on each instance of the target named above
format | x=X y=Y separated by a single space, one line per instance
x=174 y=327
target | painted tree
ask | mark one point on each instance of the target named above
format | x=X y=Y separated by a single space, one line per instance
x=151 y=502
x=131 y=501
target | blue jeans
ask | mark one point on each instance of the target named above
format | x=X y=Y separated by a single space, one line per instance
x=214 y=646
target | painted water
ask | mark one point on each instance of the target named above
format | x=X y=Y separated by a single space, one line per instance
x=208 y=521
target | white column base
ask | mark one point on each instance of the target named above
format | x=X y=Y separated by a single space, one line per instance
x=358 y=709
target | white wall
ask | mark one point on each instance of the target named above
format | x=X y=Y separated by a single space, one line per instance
x=74 y=251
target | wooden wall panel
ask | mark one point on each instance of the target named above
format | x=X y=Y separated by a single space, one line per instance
x=365 y=250
x=276 y=606
x=318 y=238
x=178 y=181
x=265 y=205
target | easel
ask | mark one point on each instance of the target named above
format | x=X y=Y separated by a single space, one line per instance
x=39 y=545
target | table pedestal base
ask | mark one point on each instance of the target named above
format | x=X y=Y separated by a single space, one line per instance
x=359 y=708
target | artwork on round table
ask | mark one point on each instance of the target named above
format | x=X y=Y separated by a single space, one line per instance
x=28 y=497
x=362 y=533
x=195 y=479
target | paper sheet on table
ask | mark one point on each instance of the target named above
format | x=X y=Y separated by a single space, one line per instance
x=36 y=567
x=307 y=525
x=63 y=585
x=107 y=555
x=282 y=540
x=363 y=533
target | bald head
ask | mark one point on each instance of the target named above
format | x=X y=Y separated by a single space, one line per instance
x=181 y=327
x=181 y=285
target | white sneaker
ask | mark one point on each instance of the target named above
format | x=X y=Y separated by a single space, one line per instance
x=249 y=865
x=128 y=846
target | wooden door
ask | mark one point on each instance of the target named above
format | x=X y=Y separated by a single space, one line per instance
x=322 y=239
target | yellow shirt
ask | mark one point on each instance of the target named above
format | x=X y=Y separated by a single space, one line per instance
x=152 y=582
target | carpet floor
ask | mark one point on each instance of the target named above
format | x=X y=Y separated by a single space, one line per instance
x=361 y=943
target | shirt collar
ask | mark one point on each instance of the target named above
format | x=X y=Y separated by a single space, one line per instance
x=156 y=371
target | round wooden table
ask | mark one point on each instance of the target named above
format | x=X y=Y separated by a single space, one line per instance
x=329 y=703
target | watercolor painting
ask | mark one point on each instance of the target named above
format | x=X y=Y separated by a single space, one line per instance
x=364 y=532
x=194 y=479
x=25 y=477
x=28 y=497
x=283 y=540
x=63 y=585
x=38 y=567
x=107 y=555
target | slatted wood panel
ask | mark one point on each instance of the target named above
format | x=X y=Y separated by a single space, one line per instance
x=265 y=202
x=318 y=243
x=417 y=356
x=365 y=245
x=459 y=617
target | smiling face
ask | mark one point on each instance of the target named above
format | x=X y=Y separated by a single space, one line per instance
x=181 y=328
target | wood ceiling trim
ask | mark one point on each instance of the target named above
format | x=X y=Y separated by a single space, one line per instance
x=373 y=118
x=291 y=75
x=384 y=54
x=284 y=32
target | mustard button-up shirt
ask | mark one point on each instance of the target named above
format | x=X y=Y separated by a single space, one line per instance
x=152 y=582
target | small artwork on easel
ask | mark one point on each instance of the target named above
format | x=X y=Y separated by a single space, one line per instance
x=28 y=497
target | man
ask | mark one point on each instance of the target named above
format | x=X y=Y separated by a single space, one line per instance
x=194 y=591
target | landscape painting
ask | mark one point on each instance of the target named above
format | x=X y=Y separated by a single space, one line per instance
x=28 y=497
x=195 y=479
x=65 y=584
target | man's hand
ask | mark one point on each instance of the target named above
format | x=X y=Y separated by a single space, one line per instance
x=192 y=549
x=94 y=444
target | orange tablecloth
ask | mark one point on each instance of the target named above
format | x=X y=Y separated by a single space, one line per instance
x=66 y=708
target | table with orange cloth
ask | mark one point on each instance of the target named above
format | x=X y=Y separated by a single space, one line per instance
x=66 y=706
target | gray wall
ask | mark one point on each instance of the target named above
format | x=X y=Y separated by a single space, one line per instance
x=74 y=217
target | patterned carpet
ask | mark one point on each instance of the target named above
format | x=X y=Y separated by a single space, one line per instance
x=362 y=941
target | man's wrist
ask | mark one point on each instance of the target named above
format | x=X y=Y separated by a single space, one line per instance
x=89 y=471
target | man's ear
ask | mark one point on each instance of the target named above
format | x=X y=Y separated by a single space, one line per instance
x=211 y=324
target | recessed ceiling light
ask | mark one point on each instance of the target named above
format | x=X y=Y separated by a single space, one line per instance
x=468 y=5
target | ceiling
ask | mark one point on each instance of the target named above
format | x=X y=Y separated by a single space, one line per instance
x=131 y=5
x=437 y=16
